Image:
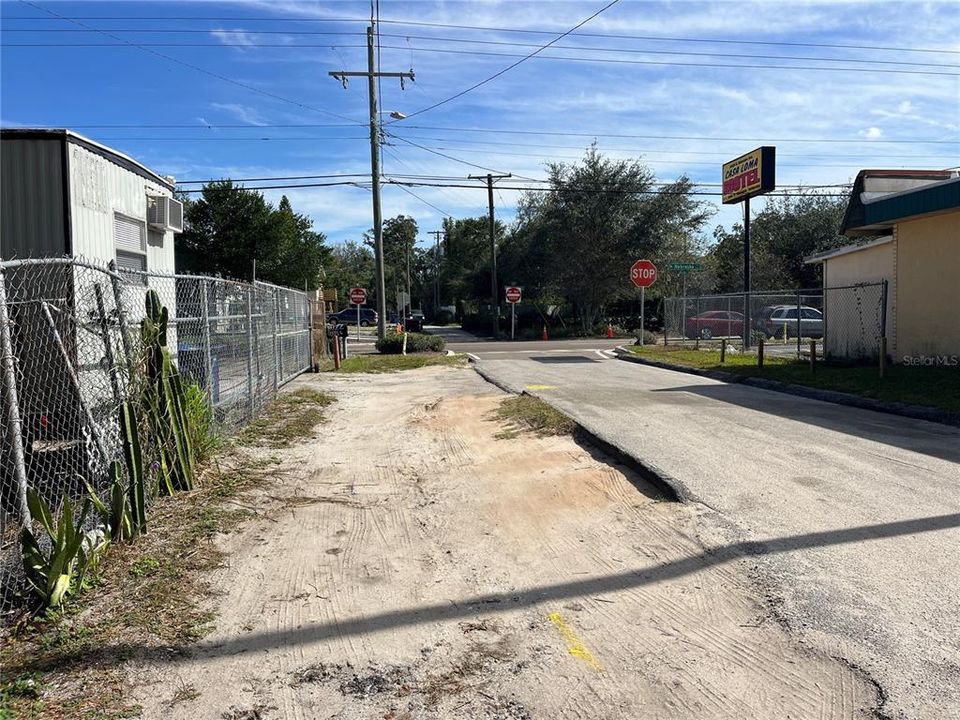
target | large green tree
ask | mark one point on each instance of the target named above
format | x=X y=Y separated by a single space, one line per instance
x=465 y=261
x=351 y=265
x=228 y=227
x=787 y=230
x=579 y=239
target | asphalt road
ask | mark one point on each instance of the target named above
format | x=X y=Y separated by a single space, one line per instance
x=852 y=517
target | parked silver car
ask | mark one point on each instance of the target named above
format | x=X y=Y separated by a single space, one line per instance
x=780 y=319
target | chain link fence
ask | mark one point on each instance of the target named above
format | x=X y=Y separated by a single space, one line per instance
x=847 y=322
x=69 y=355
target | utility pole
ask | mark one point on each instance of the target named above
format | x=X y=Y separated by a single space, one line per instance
x=371 y=74
x=436 y=269
x=494 y=291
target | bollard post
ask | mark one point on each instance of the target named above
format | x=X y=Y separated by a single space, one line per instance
x=336 y=352
x=723 y=351
x=883 y=355
x=813 y=357
x=760 y=352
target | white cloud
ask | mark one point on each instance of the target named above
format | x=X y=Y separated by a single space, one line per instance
x=243 y=113
x=872 y=133
x=234 y=37
x=905 y=107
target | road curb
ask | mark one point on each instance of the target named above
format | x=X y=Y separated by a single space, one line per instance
x=915 y=412
x=668 y=485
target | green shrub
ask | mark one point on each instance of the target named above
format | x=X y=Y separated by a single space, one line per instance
x=392 y=344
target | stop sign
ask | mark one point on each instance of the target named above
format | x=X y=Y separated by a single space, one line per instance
x=643 y=273
x=358 y=296
x=513 y=294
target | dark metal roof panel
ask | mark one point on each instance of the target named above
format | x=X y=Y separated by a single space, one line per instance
x=32 y=210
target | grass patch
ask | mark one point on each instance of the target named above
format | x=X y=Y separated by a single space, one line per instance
x=151 y=596
x=931 y=387
x=291 y=417
x=527 y=413
x=394 y=363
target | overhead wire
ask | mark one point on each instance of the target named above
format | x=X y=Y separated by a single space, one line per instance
x=510 y=67
x=562 y=187
x=456 y=26
x=643 y=51
x=193 y=67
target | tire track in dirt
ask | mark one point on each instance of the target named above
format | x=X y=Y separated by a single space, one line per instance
x=407 y=501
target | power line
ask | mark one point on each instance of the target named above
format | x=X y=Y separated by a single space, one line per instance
x=282 y=126
x=513 y=65
x=408 y=191
x=191 y=66
x=521 y=188
x=646 y=161
x=666 y=137
x=639 y=151
x=291 y=46
x=620 y=61
x=443 y=155
x=313 y=177
x=452 y=26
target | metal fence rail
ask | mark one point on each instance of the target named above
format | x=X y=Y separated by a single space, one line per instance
x=848 y=321
x=69 y=339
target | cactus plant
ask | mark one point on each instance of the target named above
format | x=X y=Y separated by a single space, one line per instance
x=58 y=573
x=164 y=403
x=125 y=515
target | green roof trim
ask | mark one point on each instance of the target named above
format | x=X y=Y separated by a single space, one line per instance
x=934 y=198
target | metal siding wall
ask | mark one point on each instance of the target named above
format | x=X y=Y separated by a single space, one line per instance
x=100 y=188
x=31 y=200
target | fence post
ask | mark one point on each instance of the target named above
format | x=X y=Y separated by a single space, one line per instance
x=697 y=341
x=760 y=351
x=14 y=428
x=813 y=357
x=723 y=350
x=121 y=315
x=250 y=400
x=883 y=326
x=277 y=340
x=206 y=334
x=799 y=321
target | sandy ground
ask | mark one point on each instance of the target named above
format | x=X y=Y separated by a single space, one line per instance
x=412 y=565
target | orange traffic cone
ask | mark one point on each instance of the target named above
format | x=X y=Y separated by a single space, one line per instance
x=609 y=330
x=545 y=333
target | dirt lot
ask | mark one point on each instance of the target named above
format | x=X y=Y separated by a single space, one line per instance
x=417 y=566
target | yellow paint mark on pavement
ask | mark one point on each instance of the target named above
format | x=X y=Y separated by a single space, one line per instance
x=541 y=387
x=575 y=645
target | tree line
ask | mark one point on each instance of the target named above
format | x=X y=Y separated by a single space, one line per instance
x=570 y=246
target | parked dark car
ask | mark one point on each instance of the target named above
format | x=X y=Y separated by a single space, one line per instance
x=779 y=319
x=714 y=323
x=368 y=317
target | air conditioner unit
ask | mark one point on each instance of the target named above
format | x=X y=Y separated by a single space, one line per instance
x=164 y=213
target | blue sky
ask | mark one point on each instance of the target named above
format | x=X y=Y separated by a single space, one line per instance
x=695 y=101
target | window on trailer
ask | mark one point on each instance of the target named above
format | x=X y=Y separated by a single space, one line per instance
x=130 y=245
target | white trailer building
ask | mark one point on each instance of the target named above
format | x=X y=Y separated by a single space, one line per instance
x=64 y=194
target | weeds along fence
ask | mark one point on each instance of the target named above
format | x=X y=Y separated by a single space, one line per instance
x=70 y=354
x=847 y=321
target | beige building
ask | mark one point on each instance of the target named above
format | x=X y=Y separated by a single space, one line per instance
x=907 y=224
